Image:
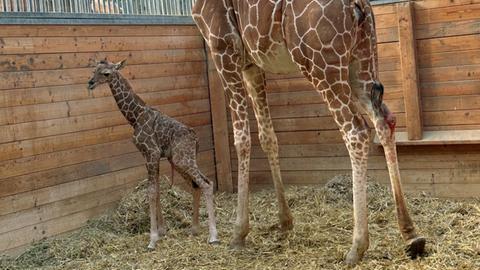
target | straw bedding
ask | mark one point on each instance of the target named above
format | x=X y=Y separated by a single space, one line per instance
x=320 y=239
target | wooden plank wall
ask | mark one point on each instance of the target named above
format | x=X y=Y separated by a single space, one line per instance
x=311 y=148
x=66 y=157
x=448 y=39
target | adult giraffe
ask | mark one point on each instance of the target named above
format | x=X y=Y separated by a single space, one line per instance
x=333 y=43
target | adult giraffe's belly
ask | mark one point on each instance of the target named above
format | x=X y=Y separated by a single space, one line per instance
x=260 y=25
x=276 y=60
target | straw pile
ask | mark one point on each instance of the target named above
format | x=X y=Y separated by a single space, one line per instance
x=321 y=237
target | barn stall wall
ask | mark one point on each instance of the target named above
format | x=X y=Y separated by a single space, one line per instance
x=446 y=161
x=66 y=156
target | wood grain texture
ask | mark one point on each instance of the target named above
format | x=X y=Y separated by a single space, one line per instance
x=220 y=130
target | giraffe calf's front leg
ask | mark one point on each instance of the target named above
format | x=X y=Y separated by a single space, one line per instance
x=152 y=197
x=212 y=227
x=156 y=218
x=184 y=161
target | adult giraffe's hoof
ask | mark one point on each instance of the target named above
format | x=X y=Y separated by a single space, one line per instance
x=352 y=259
x=415 y=247
x=356 y=252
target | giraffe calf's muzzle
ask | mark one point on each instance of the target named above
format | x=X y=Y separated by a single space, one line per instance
x=91 y=85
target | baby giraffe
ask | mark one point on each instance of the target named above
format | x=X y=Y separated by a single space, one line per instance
x=156 y=136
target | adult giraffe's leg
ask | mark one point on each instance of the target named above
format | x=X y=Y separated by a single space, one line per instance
x=355 y=134
x=357 y=142
x=333 y=84
x=242 y=141
x=230 y=71
x=156 y=218
x=228 y=54
x=254 y=79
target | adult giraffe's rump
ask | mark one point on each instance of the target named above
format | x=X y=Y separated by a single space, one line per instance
x=333 y=43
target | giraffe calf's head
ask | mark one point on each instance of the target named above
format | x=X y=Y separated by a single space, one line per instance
x=103 y=73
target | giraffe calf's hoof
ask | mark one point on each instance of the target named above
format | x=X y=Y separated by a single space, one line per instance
x=151 y=246
x=214 y=242
x=154 y=237
x=416 y=247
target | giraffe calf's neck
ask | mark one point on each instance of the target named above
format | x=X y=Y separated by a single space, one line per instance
x=129 y=103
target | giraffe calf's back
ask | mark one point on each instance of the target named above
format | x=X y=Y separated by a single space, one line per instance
x=158 y=133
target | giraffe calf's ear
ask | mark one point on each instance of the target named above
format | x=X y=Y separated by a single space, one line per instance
x=121 y=64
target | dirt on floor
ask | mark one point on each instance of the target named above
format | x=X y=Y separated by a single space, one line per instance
x=320 y=239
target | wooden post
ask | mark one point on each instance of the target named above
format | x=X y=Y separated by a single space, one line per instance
x=408 y=56
x=220 y=129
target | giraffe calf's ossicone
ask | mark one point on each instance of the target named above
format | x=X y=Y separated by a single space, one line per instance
x=159 y=136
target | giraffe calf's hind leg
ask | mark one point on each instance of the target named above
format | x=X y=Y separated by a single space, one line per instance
x=196 y=210
x=212 y=227
x=202 y=181
x=187 y=167
x=156 y=219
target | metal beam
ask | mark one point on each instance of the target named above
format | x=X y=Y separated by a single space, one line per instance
x=69 y=19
